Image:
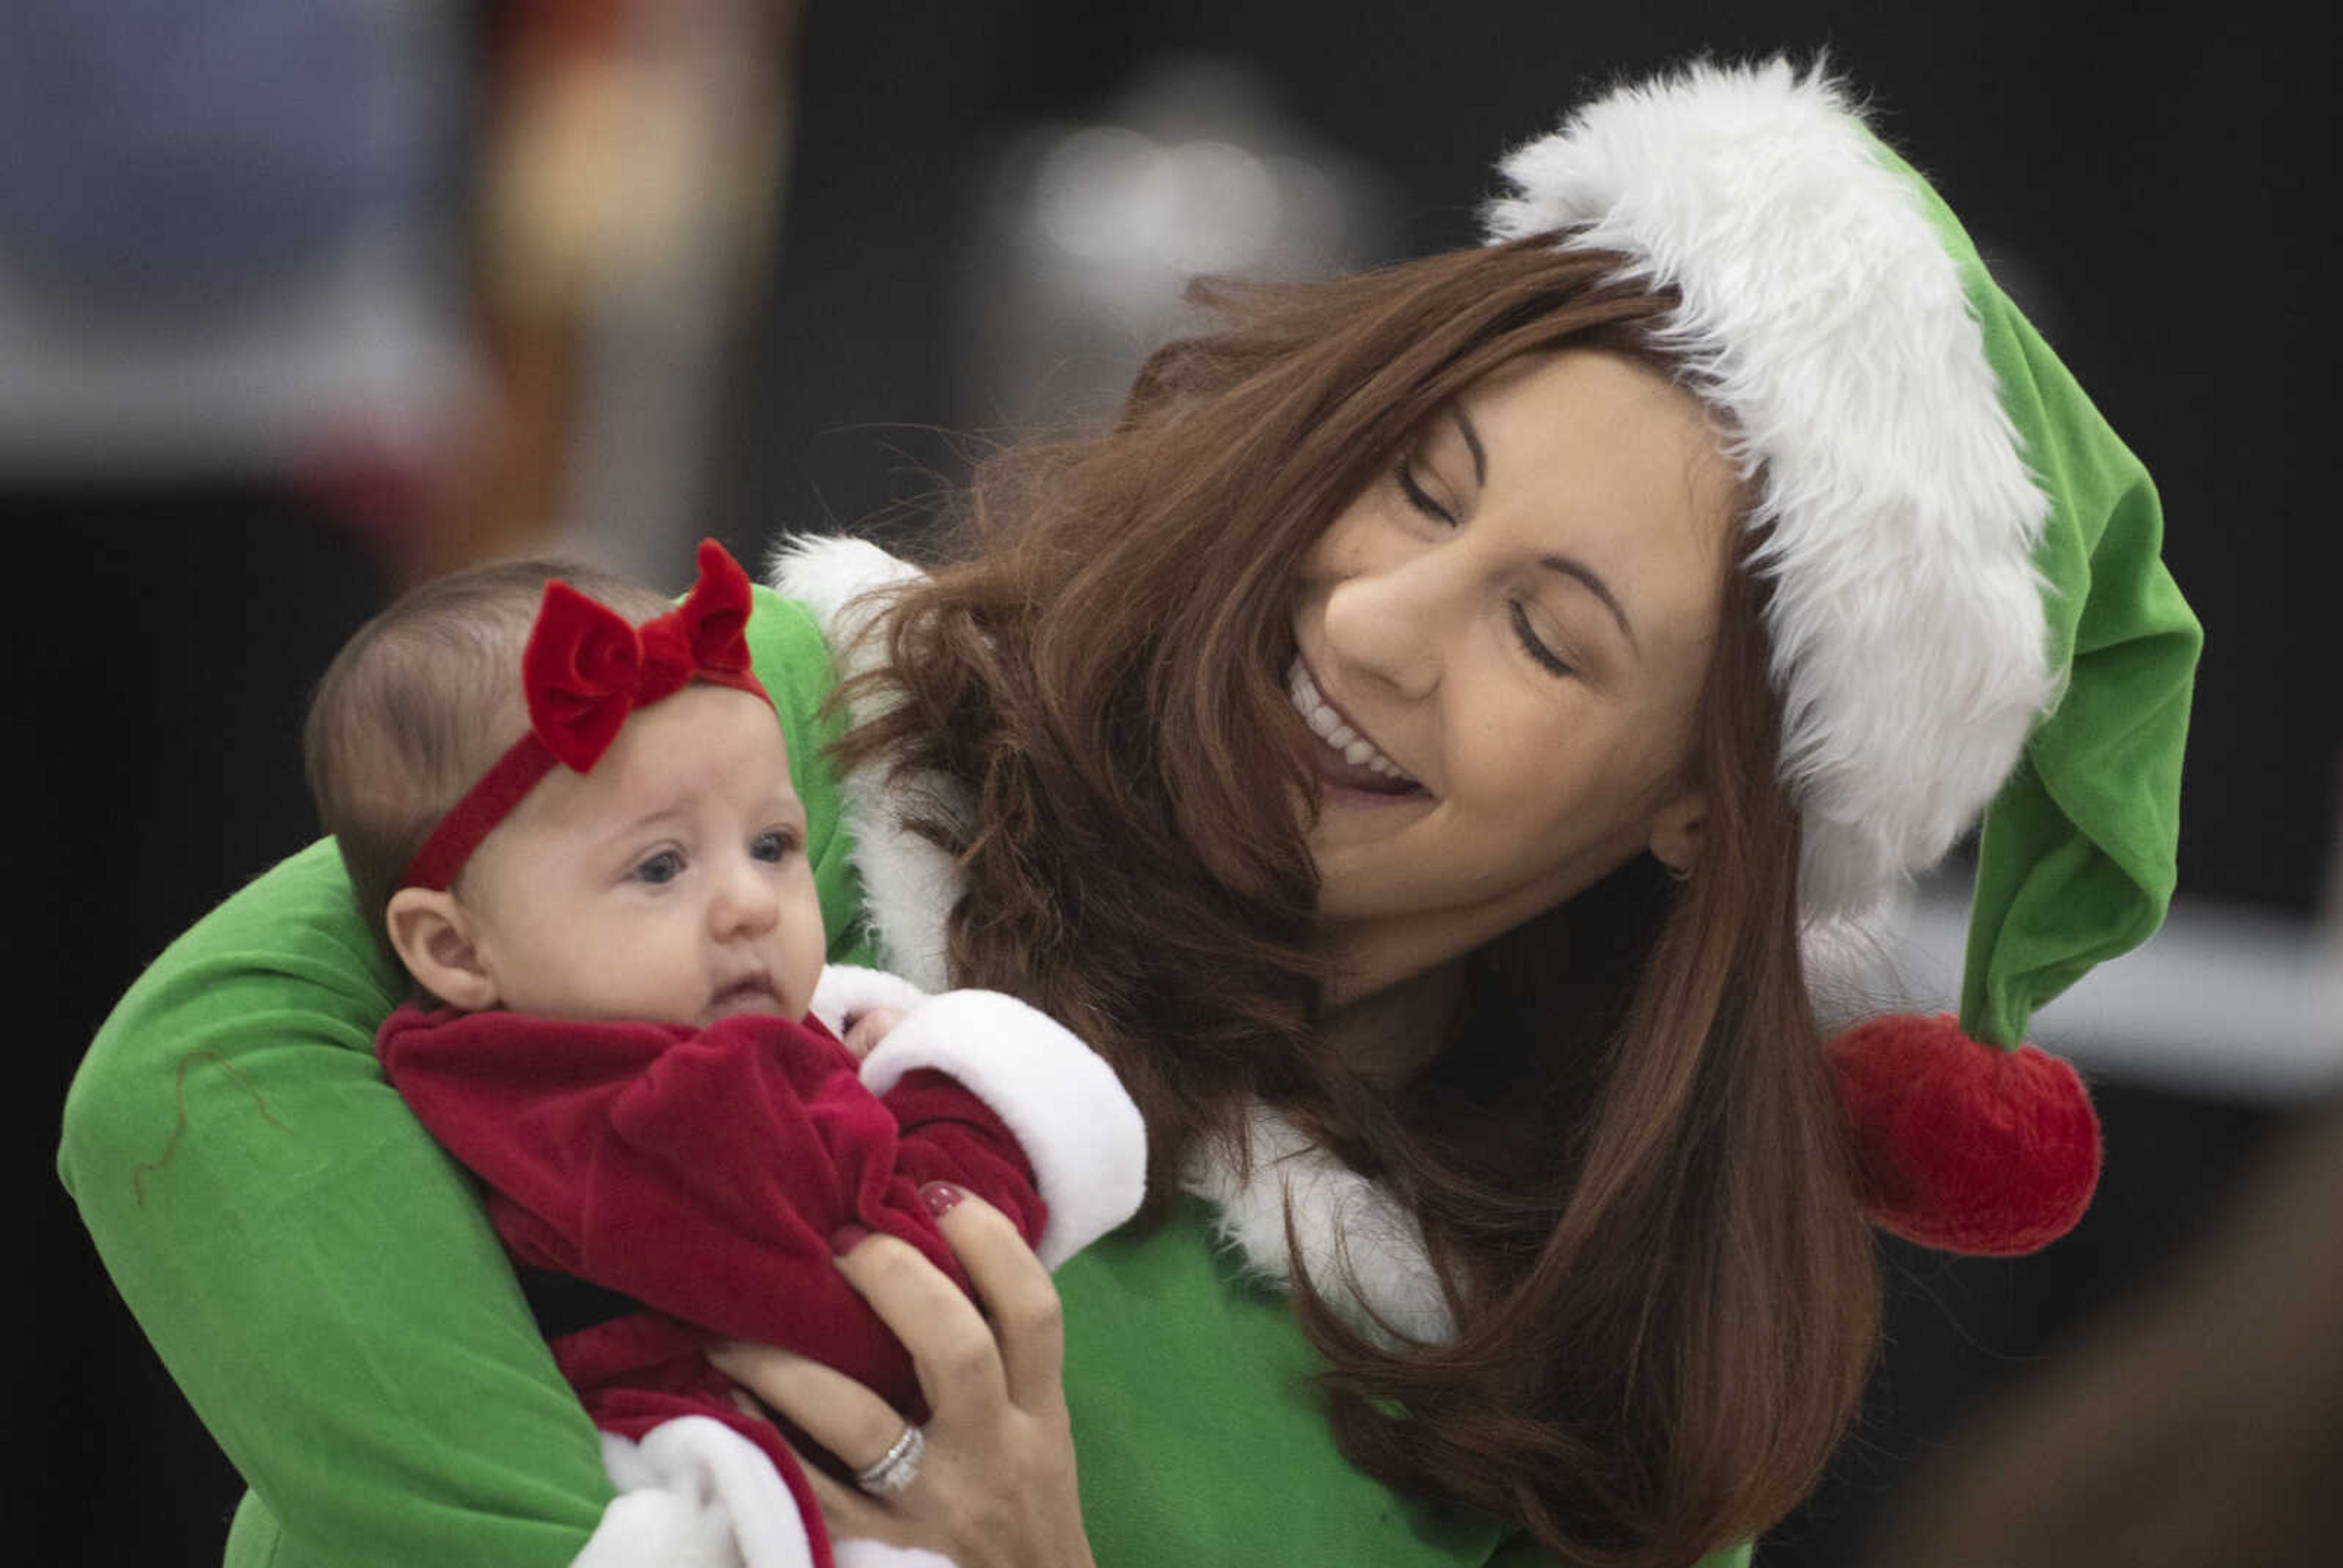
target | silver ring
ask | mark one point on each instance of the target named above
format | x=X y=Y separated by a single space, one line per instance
x=896 y=1468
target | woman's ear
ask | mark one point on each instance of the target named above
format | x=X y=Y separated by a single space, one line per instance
x=433 y=938
x=1676 y=831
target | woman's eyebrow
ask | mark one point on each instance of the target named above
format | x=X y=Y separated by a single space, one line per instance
x=1587 y=577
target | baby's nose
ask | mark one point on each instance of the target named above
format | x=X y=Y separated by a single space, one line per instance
x=747 y=902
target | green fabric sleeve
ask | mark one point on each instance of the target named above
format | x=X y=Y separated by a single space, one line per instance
x=315 y=1273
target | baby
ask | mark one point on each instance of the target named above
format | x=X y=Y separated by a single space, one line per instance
x=580 y=836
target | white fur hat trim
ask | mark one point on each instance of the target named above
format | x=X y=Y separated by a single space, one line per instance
x=1822 y=316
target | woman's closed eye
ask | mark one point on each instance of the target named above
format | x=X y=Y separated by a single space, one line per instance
x=1419 y=485
x=1536 y=647
x=1413 y=485
x=1425 y=471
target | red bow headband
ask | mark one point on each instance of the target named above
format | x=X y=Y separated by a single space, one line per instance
x=584 y=672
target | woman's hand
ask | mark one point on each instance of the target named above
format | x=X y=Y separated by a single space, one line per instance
x=995 y=1486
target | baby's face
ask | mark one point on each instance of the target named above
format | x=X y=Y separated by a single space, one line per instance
x=671 y=884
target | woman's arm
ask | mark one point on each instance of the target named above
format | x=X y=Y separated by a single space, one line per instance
x=315 y=1273
x=312 y=1268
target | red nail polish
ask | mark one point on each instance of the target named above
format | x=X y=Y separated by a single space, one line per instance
x=847 y=1237
x=940 y=1197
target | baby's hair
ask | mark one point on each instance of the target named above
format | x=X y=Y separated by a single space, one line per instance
x=421 y=702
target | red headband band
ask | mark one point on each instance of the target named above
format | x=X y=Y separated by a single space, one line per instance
x=584 y=672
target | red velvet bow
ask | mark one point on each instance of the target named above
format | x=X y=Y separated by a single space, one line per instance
x=585 y=670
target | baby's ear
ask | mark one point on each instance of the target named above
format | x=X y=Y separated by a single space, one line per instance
x=433 y=938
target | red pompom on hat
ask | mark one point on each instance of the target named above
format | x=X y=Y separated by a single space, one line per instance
x=1968 y=609
x=1967 y=1147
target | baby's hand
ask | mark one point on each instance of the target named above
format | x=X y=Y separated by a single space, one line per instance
x=868 y=1028
x=862 y=1006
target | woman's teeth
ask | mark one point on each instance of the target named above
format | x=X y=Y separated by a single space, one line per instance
x=1327 y=726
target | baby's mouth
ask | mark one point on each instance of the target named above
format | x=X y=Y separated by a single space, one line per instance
x=753 y=993
x=1346 y=757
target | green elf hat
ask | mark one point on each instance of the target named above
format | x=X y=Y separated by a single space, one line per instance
x=1969 y=616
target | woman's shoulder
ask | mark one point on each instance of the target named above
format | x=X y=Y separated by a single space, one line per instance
x=789 y=646
x=827 y=574
x=820 y=595
x=790 y=653
x=289 y=941
x=806 y=626
x=806 y=635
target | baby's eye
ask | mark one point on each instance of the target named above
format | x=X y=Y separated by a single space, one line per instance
x=774 y=844
x=659 y=869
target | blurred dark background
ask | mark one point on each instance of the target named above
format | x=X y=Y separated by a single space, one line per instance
x=213 y=467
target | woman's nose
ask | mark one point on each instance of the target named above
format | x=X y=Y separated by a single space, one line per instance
x=1387 y=621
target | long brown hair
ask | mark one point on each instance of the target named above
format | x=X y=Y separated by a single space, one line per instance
x=1626 y=1160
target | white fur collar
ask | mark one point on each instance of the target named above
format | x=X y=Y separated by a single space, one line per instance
x=909 y=885
x=1364 y=1251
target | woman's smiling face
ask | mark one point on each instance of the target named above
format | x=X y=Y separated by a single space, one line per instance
x=1503 y=643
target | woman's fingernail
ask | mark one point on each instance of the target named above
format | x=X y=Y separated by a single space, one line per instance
x=847 y=1237
x=940 y=1197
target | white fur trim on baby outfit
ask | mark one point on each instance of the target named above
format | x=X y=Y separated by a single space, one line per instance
x=1080 y=1130
x=846 y=991
x=694 y=1493
x=1068 y=1111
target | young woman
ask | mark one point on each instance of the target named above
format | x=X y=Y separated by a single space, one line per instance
x=1411 y=746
